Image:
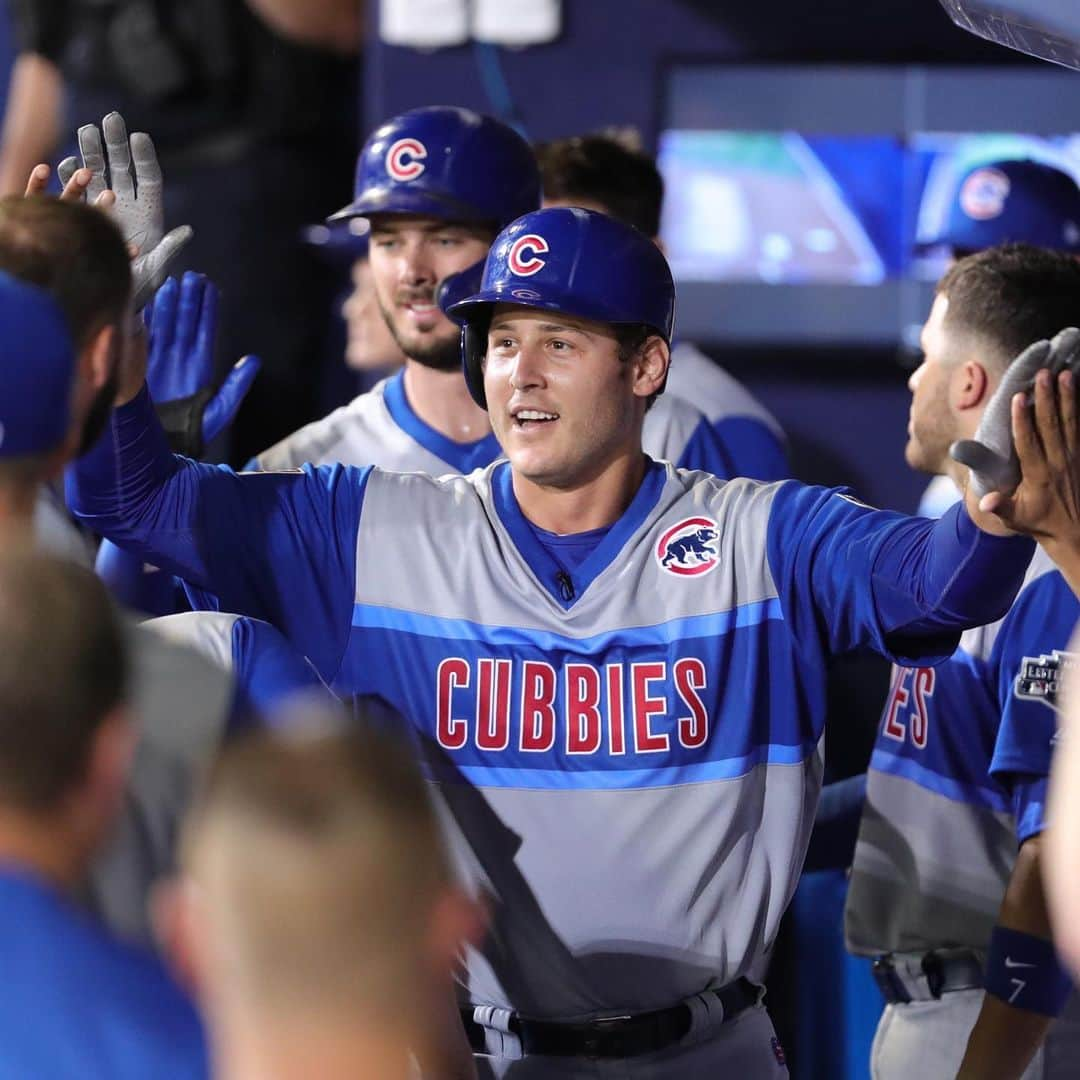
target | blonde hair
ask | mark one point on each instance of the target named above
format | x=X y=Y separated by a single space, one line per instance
x=321 y=859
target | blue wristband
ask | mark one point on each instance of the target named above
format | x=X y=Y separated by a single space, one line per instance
x=1023 y=971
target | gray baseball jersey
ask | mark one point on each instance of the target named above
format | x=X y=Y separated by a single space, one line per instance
x=628 y=753
x=937 y=840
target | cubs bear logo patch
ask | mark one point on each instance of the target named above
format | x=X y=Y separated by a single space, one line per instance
x=690 y=548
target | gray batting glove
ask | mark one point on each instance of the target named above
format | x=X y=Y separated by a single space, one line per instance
x=138 y=209
x=991 y=455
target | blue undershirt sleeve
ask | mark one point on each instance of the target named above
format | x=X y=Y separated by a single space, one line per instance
x=850 y=575
x=269 y=672
x=275 y=546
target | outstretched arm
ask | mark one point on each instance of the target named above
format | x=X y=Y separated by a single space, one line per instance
x=276 y=546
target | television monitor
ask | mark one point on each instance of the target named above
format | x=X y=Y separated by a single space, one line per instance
x=799 y=201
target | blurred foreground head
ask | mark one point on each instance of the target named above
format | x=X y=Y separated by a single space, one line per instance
x=65 y=739
x=75 y=254
x=317 y=895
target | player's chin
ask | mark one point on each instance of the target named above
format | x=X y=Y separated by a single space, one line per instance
x=533 y=464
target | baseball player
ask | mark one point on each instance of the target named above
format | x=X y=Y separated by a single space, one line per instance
x=436 y=185
x=370 y=348
x=999 y=202
x=600 y=173
x=188 y=693
x=75 y=1000
x=612 y=669
x=937 y=844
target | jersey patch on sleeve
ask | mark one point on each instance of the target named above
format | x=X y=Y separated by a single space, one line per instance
x=689 y=549
x=1041 y=677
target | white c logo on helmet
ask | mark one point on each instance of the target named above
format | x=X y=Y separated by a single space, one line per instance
x=405 y=159
x=523 y=265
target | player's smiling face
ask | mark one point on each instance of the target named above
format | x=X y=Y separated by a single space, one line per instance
x=563 y=404
x=409 y=256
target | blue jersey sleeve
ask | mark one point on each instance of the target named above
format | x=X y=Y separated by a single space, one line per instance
x=737 y=446
x=705 y=450
x=276 y=546
x=269 y=672
x=1029 y=805
x=752 y=448
x=849 y=575
x=1030 y=657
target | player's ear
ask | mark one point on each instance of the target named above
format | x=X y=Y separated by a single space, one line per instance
x=98 y=357
x=650 y=367
x=973 y=385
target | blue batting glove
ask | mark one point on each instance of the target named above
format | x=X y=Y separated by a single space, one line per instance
x=182 y=326
x=222 y=407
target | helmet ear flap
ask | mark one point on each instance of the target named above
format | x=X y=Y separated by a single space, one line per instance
x=473 y=350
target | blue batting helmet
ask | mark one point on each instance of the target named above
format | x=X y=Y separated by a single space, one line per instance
x=1021 y=201
x=445 y=162
x=574 y=261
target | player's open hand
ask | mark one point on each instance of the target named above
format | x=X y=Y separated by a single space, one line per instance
x=125 y=174
x=75 y=187
x=991 y=455
x=1046 y=503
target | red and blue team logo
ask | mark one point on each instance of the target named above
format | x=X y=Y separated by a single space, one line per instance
x=984 y=193
x=405 y=159
x=689 y=549
x=523 y=257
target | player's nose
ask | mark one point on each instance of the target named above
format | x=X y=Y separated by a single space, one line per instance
x=528 y=368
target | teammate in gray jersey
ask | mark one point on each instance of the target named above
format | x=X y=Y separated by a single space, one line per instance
x=431 y=218
x=612 y=669
x=936 y=867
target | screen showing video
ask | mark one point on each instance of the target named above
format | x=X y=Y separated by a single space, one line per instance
x=782 y=207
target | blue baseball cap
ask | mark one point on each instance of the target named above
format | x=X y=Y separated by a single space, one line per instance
x=37 y=370
x=1017 y=201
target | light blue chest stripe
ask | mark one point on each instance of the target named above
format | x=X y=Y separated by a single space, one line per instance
x=374 y=617
x=614 y=779
x=988 y=798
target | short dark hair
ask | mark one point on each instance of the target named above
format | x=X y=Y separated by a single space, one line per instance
x=63 y=668
x=74 y=252
x=1012 y=295
x=604 y=170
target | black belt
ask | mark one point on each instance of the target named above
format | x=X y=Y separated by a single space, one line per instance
x=944 y=970
x=615 y=1036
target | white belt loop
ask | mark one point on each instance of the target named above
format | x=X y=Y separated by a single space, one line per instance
x=499 y=1040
